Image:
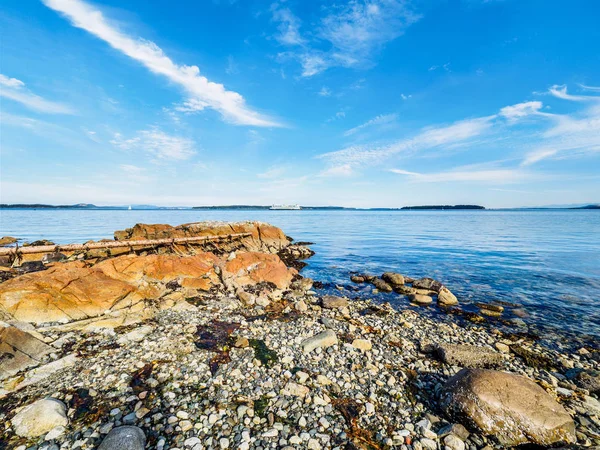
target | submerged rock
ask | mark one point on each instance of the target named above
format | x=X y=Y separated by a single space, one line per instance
x=446 y=298
x=420 y=299
x=395 y=279
x=124 y=438
x=382 y=285
x=39 y=418
x=509 y=407
x=427 y=283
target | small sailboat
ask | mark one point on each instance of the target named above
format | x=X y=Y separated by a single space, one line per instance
x=129 y=208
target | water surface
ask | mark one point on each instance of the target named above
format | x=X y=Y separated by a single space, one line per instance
x=547 y=261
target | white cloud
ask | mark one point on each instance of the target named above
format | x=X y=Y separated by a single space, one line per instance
x=405 y=97
x=10 y=82
x=15 y=90
x=232 y=67
x=348 y=35
x=560 y=91
x=202 y=92
x=521 y=110
x=325 y=92
x=163 y=146
x=131 y=168
x=379 y=120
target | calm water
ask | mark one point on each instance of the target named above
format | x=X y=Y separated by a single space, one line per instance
x=547 y=261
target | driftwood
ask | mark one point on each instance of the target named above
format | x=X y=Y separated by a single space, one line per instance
x=118 y=244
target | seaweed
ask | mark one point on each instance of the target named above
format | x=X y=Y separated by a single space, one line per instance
x=216 y=336
x=139 y=377
x=359 y=438
x=263 y=353
x=221 y=357
x=260 y=405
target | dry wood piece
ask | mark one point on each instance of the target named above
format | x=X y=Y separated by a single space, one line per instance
x=119 y=244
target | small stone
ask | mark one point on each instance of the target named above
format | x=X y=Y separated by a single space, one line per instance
x=124 y=438
x=324 y=422
x=503 y=348
x=452 y=442
x=182 y=415
x=186 y=425
x=241 y=342
x=322 y=340
x=295 y=389
x=224 y=443
x=362 y=344
x=369 y=408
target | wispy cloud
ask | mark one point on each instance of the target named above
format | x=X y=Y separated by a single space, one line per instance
x=494 y=176
x=431 y=137
x=348 y=34
x=288 y=25
x=202 y=92
x=325 y=92
x=590 y=88
x=379 y=120
x=273 y=172
x=160 y=145
x=521 y=110
x=15 y=90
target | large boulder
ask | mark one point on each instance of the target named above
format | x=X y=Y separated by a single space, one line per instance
x=263 y=237
x=19 y=350
x=39 y=418
x=427 y=283
x=512 y=408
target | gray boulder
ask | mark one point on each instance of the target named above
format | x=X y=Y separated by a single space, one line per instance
x=395 y=279
x=124 y=438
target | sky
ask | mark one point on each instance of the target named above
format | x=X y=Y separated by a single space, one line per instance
x=358 y=103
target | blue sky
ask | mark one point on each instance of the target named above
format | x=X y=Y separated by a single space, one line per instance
x=355 y=103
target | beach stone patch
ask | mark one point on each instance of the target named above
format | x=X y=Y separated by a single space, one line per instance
x=333 y=302
x=512 y=408
x=39 y=418
x=362 y=344
x=468 y=356
x=124 y=438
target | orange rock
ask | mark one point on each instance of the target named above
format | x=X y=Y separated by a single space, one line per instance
x=250 y=268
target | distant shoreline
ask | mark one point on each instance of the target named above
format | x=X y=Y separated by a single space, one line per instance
x=92 y=207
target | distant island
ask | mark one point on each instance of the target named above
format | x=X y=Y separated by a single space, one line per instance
x=441 y=207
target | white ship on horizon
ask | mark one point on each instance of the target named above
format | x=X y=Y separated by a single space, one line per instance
x=285 y=207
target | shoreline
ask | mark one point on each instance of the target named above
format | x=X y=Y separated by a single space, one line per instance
x=251 y=363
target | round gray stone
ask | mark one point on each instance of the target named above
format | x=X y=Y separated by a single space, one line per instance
x=124 y=438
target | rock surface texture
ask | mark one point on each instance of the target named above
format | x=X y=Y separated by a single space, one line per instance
x=39 y=418
x=509 y=407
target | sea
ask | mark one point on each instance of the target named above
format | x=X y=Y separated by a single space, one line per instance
x=543 y=264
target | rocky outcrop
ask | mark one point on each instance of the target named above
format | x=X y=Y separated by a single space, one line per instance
x=118 y=289
x=264 y=237
x=509 y=407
